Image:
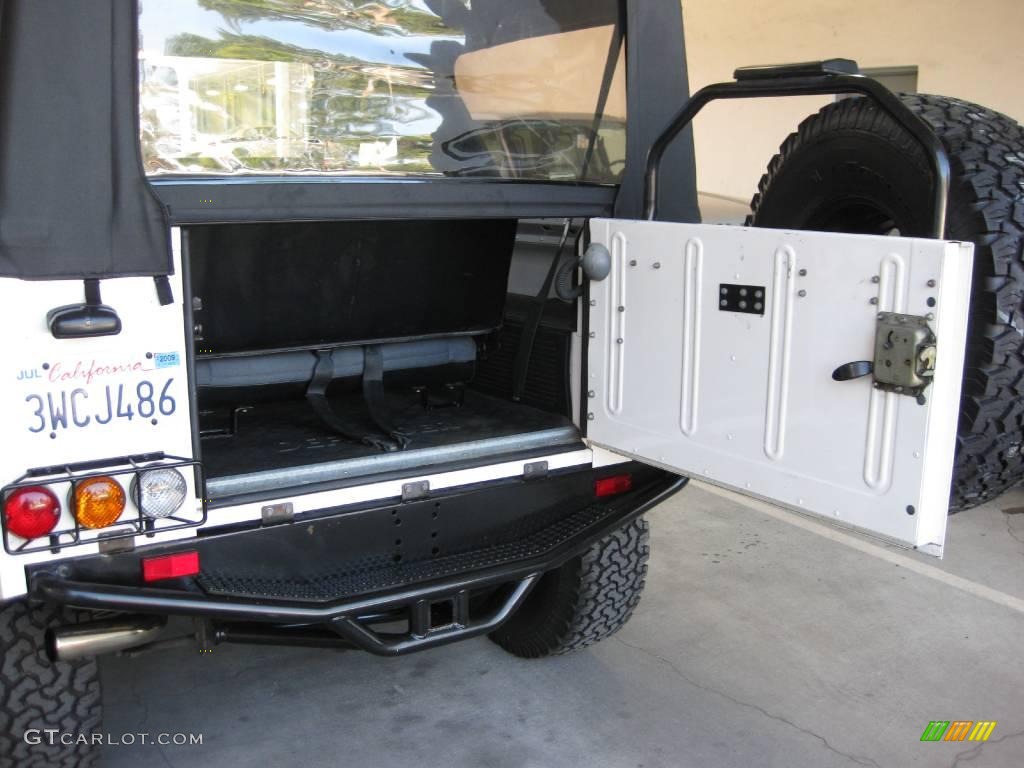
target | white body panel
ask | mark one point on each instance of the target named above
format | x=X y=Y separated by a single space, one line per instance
x=90 y=366
x=748 y=401
x=53 y=392
x=392 y=489
x=121 y=361
x=67 y=400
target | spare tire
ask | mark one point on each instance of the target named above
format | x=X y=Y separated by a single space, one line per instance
x=852 y=168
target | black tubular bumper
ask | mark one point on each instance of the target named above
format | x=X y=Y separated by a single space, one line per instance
x=449 y=566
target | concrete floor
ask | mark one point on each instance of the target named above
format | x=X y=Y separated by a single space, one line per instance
x=762 y=640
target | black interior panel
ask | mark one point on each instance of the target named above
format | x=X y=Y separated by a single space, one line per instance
x=313 y=284
x=547 y=379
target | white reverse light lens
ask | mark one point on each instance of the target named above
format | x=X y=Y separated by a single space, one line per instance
x=159 y=492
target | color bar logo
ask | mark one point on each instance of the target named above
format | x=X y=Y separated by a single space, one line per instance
x=958 y=730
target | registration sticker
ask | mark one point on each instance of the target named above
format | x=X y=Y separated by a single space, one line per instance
x=166 y=359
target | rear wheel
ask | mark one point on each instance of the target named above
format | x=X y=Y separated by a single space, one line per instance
x=37 y=694
x=586 y=600
x=851 y=168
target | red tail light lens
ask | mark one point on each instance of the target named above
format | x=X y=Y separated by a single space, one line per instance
x=609 y=486
x=170 y=566
x=31 y=512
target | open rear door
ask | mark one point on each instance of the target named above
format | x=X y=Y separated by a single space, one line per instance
x=712 y=352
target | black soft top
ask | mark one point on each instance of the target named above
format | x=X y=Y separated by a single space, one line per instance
x=75 y=202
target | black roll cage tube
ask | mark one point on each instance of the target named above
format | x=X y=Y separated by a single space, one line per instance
x=835 y=76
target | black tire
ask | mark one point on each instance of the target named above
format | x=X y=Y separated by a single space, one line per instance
x=36 y=693
x=586 y=600
x=851 y=168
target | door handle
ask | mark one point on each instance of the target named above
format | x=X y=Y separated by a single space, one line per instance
x=854 y=370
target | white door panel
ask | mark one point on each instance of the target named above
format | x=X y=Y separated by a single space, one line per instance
x=747 y=400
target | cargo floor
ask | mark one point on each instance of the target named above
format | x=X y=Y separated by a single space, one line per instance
x=284 y=444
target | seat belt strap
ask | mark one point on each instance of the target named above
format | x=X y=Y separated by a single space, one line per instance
x=373 y=394
x=316 y=396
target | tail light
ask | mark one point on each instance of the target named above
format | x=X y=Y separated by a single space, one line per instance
x=31 y=512
x=159 y=493
x=610 y=486
x=98 y=501
x=113 y=498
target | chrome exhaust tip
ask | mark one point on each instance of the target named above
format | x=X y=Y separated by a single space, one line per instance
x=93 y=638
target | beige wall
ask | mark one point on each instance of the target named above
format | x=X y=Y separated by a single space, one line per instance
x=972 y=49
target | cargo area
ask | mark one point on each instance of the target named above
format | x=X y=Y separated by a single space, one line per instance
x=326 y=353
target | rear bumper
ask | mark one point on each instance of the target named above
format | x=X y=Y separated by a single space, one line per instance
x=476 y=552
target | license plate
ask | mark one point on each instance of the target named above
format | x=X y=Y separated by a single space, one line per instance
x=97 y=403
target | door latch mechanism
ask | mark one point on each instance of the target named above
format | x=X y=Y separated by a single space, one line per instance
x=904 y=356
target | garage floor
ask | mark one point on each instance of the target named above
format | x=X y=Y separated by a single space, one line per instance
x=764 y=639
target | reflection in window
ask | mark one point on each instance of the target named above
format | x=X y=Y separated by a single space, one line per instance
x=533 y=89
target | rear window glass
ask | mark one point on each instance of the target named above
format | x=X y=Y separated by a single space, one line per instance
x=529 y=90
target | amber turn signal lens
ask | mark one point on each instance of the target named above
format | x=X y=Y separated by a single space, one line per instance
x=98 y=501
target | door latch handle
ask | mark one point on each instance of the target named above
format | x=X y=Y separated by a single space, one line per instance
x=854 y=370
x=904 y=356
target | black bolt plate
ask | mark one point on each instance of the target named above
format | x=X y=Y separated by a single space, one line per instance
x=749 y=299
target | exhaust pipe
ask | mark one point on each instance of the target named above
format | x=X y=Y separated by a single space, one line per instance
x=97 y=637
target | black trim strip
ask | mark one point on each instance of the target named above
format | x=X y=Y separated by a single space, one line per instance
x=263 y=199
